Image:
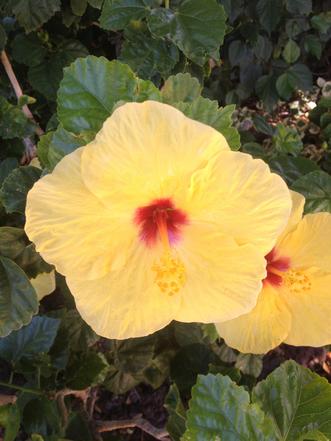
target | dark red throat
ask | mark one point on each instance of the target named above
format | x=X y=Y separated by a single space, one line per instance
x=159 y=212
x=275 y=265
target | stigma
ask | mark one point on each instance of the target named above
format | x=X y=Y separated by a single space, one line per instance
x=276 y=268
x=161 y=222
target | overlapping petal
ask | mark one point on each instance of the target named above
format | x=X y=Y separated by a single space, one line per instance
x=125 y=303
x=145 y=151
x=224 y=279
x=310 y=310
x=309 y=244
x=72 y=229
x=262 y=329
x=44 y=284
x=240 y=194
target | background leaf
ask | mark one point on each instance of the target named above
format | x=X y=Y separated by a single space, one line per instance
x=316 y=187
x=18 y=299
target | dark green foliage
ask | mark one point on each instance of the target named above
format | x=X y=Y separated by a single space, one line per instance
x=235 y=65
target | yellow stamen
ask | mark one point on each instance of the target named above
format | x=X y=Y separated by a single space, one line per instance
x=297 y=281
x=170 y=273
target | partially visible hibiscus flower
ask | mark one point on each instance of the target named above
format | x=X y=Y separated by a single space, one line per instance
x=155 y=220
x=294 y=305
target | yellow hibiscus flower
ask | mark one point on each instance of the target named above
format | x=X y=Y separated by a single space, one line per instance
x=155 y=220
x=294 y=305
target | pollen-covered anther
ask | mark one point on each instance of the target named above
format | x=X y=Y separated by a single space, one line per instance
x=297 y=281
x=170 y=274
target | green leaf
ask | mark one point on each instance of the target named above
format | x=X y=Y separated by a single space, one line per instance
x=61 y=144
x=90 y=88
x=12 y=242
x=35 y=338
x=3 y=38
x=316 y=187
x=266 y=90
x=28 y=49
x=176 y=423
x=181 y=87
x=287 y=140
x=10 y=419
x=16 y=187
x=31 y=262
x=148 y=56
x=208 y=112
x=261 y=125
x=263 y=48
x=286 y=84
x=6 y=166
x=78 y=7
x=291 y=52
x=134 y=354
x=291 y=168
x=76 y=332
x=322 y=22
x=89 y=369
x=303 y=76
x=46 y=76
x=297 y=400
x=18 y=299
x=313 y=45
x=13 y=122
x=190 y=361
x=299 y=6
x=96 y=3
x=269 y=13
x=249 y=364
x=43 y=149
x=41 y=416
x=196 y=27
x=31 y=14
x=117 y=14
x=219 y=409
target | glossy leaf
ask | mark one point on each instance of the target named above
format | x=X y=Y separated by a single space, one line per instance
x=181 y=87
x=292 y=168
x=18 y=299
x=148 y=56
x=117 y=14
x=90 y=88
x=35 y=338
x=31 y=14
x=16 y=186
x=297 y=400
x=316 y=187
x=219 y=409
x=208 y=112
x=196 y=27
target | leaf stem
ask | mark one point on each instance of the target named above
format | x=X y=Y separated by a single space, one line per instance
x=30 y=148
x=22 y=389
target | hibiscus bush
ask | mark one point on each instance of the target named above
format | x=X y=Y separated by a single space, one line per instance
x=165 y=236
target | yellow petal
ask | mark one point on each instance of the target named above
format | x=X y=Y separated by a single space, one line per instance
x=125 y=303
x=261 y=330
x=44 y=284
x=311 y=310
x=71 y=228
x=298 y=203
x=146 y=151
x=243 y=197
x=223 y=279
x=309 y=244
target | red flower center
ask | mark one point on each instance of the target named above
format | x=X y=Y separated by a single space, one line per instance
x=275 y=267
x=160 y=220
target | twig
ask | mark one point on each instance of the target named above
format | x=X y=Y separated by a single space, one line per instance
x=137 y=422
x=30 y=148
x=60 y=396
x=22 y=389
